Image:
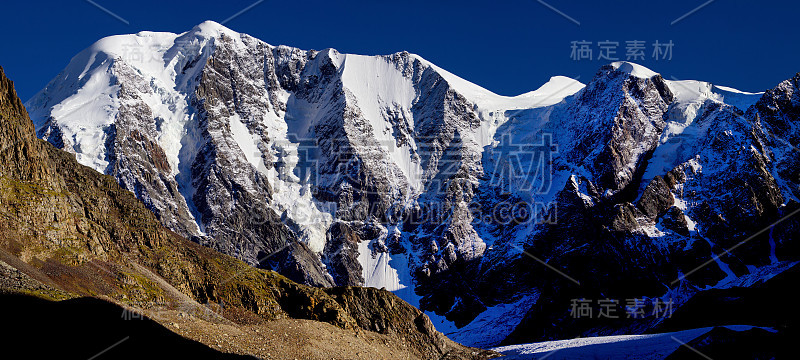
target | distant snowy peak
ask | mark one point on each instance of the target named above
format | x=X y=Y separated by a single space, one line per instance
x=694 y=91
x=212 y=29
x=80 y=105
x=557 y=86
x=162 y=57
x=688 y=91
x=732 y=90
x=555 y=90
x=633 y=69
x=150 y=53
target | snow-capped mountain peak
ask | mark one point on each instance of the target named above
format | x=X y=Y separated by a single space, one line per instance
x=633 y=69
x=162 y=97
x=212 y=29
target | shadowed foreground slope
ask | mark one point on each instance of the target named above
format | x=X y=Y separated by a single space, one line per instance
x=86 y=327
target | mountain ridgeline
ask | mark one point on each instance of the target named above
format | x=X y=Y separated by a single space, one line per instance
x=390 y=172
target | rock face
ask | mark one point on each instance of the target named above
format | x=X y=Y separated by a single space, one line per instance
x=656 y=199
x=387 y=171
x=68 y=231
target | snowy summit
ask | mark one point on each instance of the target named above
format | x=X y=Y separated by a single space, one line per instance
x=634 y=69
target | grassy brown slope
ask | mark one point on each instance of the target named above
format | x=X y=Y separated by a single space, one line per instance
x=79 y=231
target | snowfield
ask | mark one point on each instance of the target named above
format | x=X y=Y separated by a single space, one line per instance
x=636 y=70
x=640 y=347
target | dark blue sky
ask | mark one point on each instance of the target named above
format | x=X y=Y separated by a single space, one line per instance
x=507 y=46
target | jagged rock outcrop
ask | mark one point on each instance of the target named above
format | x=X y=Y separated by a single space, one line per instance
x=342 y=253
x=656 y=199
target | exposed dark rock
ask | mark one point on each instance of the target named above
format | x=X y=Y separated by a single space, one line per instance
x=342 y=255
x=674 y=219
x=298 y=263
x=656 y=198
x=625 y=218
